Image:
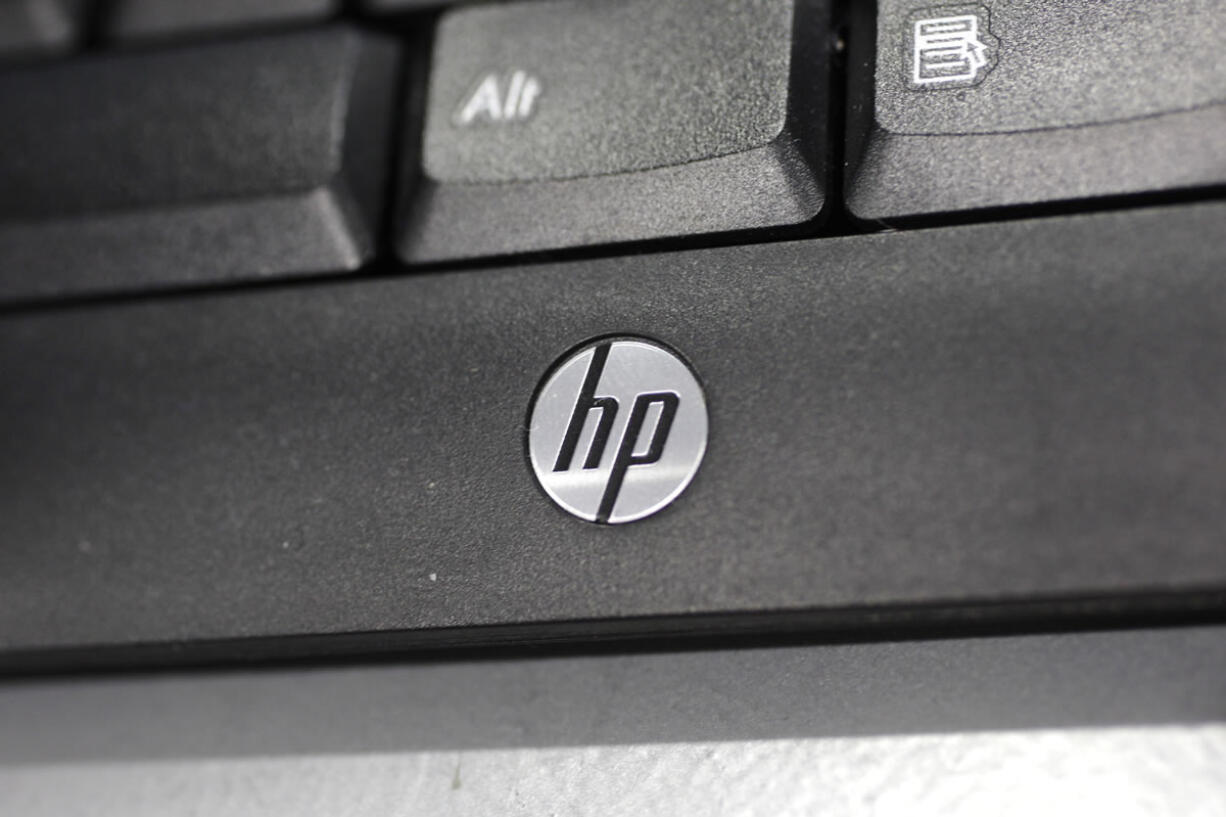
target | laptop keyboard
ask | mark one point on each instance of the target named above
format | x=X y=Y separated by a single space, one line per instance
x=1002 y=104
x=279 y=281
x=225 y=161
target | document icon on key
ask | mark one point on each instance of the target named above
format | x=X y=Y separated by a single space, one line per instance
x=948 y=51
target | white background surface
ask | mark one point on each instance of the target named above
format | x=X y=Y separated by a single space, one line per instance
x=1119 y=772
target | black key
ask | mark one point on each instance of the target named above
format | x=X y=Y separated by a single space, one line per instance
x=557 y=124
x=31 y=28
x=138 y=19
x=1004 y=103
x=237 y=160
x=917 y=421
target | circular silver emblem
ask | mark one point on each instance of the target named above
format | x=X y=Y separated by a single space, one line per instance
x=618 y=430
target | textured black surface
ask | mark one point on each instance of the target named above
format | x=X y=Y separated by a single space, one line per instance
x=653 y=119
x=971 y=415
x=138 y=19
x=238 y=160
x=958 y=728
x=1080 y=99
x=38 y=27
x=392 y=6
x=1068 y=680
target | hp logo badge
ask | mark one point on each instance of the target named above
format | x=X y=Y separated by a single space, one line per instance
x=618 y=430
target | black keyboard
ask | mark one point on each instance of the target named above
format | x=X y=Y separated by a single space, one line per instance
x=352 y=328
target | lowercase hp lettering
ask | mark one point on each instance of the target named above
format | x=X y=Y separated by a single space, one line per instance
x=617 y=430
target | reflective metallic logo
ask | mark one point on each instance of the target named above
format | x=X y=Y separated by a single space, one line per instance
x=618 y=430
